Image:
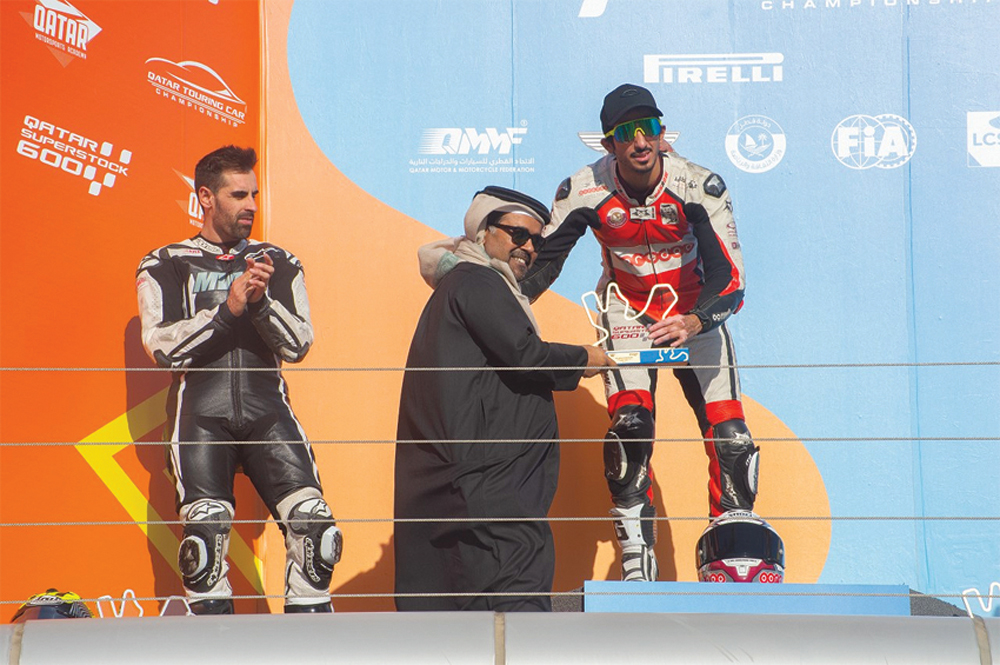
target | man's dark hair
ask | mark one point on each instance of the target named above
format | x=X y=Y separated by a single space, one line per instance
x=208 y=172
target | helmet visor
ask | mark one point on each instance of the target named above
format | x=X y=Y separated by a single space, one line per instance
x=740 y=540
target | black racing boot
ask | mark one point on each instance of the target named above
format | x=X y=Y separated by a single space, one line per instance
x=321 y=608
x=212 y=606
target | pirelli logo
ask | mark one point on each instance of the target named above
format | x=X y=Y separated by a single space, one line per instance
x=713 y=68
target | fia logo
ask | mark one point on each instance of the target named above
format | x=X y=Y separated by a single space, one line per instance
x=884 y=141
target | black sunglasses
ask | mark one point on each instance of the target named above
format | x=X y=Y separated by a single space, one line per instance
x=520 y=235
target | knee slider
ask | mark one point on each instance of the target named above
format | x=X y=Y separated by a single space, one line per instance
x=314 y=540
x=201 y=556
x=739 y=461
x=628 y=446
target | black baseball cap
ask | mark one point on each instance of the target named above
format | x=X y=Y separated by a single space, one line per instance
x=623 y=99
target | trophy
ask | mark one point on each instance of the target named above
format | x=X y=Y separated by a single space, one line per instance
x=644 y=356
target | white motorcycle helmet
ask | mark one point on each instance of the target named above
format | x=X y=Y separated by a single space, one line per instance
x=739 y=546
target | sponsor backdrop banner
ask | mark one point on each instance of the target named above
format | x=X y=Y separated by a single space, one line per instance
x=860 y=140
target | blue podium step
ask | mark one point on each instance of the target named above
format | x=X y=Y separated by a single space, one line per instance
x=713 y=598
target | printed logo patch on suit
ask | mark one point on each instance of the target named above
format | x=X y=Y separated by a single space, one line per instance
x=714 y=186
x=668 y=213
x=642 y=213
x=616 y=218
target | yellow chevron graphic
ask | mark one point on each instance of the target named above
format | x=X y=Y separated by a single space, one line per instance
x=143 y=419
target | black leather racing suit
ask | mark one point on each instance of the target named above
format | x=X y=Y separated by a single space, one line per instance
x=182 y=290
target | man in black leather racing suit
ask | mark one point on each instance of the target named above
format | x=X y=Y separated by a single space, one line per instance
x=212 y=306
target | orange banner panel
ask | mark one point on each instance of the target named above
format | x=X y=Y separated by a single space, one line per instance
x=106 y=108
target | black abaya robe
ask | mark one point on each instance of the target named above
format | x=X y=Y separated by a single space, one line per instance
x=473 y=320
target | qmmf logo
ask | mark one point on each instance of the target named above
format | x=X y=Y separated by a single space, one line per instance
x=72 y=153
x=983 y=131
x=195 y=85
x=884 y=141
x=63 y=28
x=459 y=141
x=755 y=144
x=713 y=68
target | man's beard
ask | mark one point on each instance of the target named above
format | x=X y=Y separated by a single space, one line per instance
x=519 y=269
x=240 y=231
x=647 y=167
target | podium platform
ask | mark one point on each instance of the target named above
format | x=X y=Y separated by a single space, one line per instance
x=715 y=598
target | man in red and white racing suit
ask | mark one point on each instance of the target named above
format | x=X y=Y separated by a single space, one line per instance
x=225 y=304
x=660 y=220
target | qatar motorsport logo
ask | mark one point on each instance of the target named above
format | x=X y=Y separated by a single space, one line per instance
x=63 y=28
x=196 y=86
x=191 y=205
x=74 y=154
x=884 y=141
x=755 y=144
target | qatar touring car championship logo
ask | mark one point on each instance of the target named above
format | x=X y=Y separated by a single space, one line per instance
x=74 y=154
x=196 y=86
x=63 y=28
x=884 y=141
x=755 y=144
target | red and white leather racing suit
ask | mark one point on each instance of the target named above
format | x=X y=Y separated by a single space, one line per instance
x=649 y=243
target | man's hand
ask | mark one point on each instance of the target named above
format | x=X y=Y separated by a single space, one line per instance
x=597 y=361
x=674 y=330
x=250 y=286
x=262 y=271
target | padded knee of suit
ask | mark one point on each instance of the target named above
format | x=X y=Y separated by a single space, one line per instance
x=628 y=446
x=739 y=462
x=314 y=540
x=201 y=556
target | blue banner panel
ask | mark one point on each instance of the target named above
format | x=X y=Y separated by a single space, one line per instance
x=709 y=598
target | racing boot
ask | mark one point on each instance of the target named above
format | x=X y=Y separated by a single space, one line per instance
x=636 y=532
x=212 y=606
x=321 y=608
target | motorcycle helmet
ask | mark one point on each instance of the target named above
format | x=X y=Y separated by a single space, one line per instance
x=52 y=604
x=739 y=546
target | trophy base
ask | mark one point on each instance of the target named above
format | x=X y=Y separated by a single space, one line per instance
x=665 y=356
